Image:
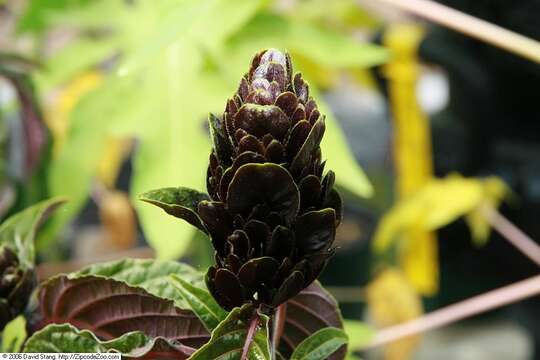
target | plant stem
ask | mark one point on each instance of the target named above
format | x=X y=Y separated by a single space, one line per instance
x=512 y=234
x=472 y=26
x=473 y=306
x=250 y=335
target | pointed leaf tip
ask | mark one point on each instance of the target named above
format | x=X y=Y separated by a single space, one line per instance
x=179 y=202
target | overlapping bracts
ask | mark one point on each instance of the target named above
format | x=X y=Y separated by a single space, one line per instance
x=271 y=215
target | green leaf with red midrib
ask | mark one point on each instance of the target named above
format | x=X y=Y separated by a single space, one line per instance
x=242 y=330
x=310 y=311
x=307 y=313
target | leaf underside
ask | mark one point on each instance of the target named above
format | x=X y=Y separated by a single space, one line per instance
x=111 y=308
x=119 y=297
x=150 y=274
x=308 y=312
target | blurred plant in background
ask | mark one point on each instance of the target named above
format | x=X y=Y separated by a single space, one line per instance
x=127 y=85
x=24 y=138
x=392 y=300
x=151 y=70
x=423 y=202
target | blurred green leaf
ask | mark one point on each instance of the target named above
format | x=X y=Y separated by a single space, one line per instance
x=13 y=335
x=323 y=46
x=72 y=170
x=19 y=231
x=74 y=59
x=320 y=345
x=75 y=14
x=341 y=14
x=179 y=136
x=226 y=18
x=359 y=333
x=339 y=157
x=177 y=61
x=35 y=16
x=203 y=24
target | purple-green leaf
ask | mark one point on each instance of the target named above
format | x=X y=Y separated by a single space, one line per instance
x=308 y=312
x=179 y=202
x=111 y=308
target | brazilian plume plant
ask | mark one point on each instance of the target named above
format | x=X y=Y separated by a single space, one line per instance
x=271 y=210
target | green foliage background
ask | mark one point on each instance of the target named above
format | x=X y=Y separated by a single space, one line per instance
x=167 y=64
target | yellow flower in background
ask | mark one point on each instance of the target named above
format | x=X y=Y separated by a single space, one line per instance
x=418 y=254
x=323 y=77
x=114 y=153
x=440 y=202
x=392 y=300
x=116 y=212
x=494 y=192
x=59 y=111
x=57 y=119
x=423 y=203
x=118 y=219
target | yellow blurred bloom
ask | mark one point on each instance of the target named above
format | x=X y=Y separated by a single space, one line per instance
x=118 y=219
x=412 y=152
x=59 y=111
x=114 y=153
x=393 y=300
x=440 y=202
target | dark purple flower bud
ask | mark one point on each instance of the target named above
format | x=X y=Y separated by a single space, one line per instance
x=271 y=213
x=285 y=214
